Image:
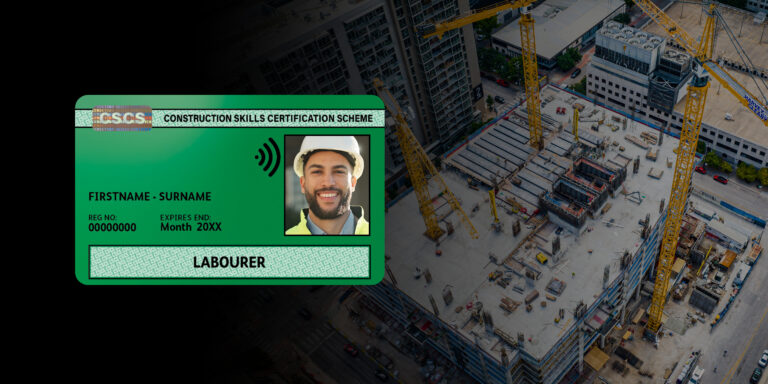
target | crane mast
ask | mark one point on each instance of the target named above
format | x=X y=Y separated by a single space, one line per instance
x=689 y=135
x=531 y=76
x=528 y=53
x=420 y=169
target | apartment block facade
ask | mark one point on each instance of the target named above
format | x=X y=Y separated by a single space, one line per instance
x=339 y=47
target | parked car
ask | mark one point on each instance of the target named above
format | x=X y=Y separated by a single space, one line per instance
x=756 y=375
x=720 y=179
x=499 y=99
x=349 y=348
x=763 y=359
x=381 y=375
x=701 y=170
x=575 y=73
x=502 y=82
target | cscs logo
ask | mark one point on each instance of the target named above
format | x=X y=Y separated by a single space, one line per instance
x=122 y=118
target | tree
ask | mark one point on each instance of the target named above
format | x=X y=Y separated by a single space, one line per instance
x=701 y=147
x=513 y=69
x=711 y=159
x=485 y=27
x=726 y=167
x=746 y=172
x=623 y=18
x=489 y=102
x=568 y=59
x=629 y=4
x=762 y=176
x=490 y=61
x=581 y=86
x=574 y=54
x=565 y=62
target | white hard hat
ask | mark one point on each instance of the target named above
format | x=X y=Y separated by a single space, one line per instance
x=346 y=144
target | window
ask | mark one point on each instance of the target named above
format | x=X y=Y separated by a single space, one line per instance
x=624 y=89
x=610 y=83
x=728 y=139
x=720 y=136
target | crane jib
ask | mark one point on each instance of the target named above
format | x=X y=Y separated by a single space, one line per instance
x=758 y=109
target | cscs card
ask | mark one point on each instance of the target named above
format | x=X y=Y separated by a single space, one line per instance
x=229 y=190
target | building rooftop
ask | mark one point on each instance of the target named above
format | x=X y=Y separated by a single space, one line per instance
x=560 y=22
x=465 y=264
x=719 y=100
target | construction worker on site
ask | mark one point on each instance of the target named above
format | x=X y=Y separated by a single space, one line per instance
x=328 y=168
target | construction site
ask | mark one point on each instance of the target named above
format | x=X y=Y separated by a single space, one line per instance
x=565 y=256
x=545 y=242
x=576 y=231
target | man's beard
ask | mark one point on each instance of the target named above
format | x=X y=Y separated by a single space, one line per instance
x=339 y=210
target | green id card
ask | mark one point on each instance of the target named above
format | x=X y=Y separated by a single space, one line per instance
x=229 y=190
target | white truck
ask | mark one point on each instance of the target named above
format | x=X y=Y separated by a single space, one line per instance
x=696 y=376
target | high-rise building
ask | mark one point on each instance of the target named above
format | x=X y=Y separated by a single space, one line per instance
x=339 y=47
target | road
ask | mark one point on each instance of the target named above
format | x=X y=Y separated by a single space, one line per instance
x=743 y=333
x=736 y=192
x=511 y=94
x=343 y=367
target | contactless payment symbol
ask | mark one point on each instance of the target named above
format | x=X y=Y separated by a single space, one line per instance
x=265 y=157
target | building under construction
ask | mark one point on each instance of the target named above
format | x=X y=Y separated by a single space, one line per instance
x=577 y=230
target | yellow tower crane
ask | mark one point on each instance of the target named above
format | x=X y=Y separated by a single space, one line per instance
x=420 y=169
x=694 y=108
x=576 y=124
x=496 y=222
x=528 y=48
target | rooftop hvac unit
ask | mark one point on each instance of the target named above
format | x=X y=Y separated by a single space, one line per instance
x=613 y=24
x=648 y=46
x=628 y=30
x=642 y=35
x=656 y=40
x=636 y=42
